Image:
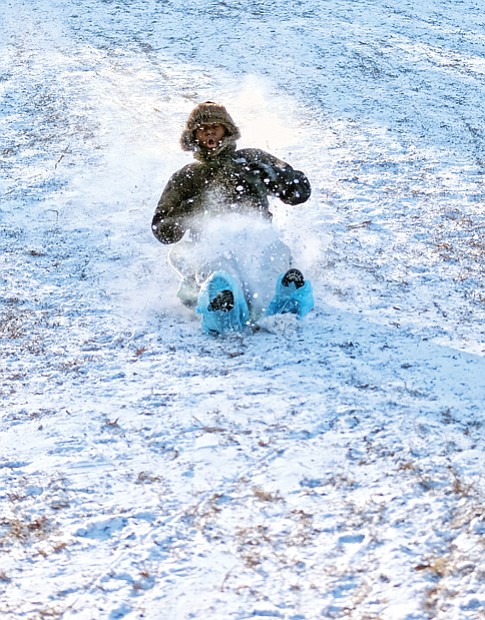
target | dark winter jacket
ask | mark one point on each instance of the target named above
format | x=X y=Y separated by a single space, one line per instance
x=223 y=180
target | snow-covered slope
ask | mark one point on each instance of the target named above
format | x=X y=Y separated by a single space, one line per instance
x=329 y=468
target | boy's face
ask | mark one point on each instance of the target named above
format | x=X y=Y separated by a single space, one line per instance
x=210 y=136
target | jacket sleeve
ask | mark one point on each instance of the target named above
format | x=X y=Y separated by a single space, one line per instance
x=174 y=208
x=289 y=185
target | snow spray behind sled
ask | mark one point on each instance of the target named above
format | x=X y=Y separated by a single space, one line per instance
x=233 y=273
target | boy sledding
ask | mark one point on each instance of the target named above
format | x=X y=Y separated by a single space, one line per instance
x=233 y=267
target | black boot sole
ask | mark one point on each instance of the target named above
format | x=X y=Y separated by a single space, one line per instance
x=294 y=276
x=223 y=301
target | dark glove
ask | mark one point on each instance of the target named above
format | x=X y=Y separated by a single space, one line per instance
x=295 y=188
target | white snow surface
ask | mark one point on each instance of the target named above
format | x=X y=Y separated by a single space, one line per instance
x=325 y=468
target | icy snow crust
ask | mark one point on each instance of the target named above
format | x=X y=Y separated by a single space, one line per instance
x=328 y=468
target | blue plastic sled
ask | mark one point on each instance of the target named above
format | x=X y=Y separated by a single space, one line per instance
x=222 y=321
x=290 y=299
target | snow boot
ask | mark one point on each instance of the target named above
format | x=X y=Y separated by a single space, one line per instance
x=222 y=301
x=293 y=295
x=222 y=305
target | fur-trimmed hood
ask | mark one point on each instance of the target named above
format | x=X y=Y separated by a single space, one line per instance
x=208 y=113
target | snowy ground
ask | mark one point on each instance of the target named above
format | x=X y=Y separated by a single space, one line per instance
x=331 y=468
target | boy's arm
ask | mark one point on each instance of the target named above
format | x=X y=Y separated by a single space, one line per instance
x=289 y=185
x=174 y=208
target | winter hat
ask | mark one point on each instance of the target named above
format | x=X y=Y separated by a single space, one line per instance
x=207 y=113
